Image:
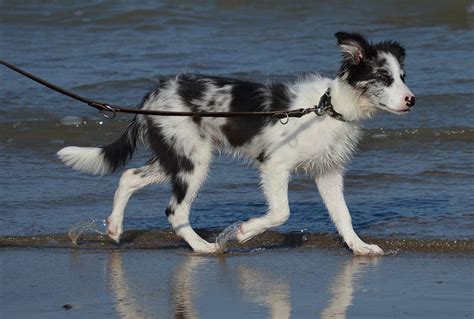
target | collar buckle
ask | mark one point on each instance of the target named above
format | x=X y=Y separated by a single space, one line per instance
x=324 y=103
x=325 y=107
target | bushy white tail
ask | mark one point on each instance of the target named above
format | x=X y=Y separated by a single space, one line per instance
x=85 y=159
x=102 y=160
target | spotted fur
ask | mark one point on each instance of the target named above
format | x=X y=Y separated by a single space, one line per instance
x=371 y=77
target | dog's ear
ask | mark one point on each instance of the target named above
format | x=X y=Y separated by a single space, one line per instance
x=354 y=46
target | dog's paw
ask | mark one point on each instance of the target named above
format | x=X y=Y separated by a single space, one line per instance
x=209 y=248
x=114 y=229
x=242 y=236
x=364 y=249
x=245 y=235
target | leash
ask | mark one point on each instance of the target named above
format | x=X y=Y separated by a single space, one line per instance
x=324 y=107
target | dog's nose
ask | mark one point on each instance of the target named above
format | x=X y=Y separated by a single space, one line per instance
x=410 y=100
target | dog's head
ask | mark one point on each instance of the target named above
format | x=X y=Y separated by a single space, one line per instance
x=376 y=72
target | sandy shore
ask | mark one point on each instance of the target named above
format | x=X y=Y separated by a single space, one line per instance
x=167 y=239
x=278 y=283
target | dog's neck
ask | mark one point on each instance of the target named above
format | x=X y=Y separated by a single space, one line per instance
x=349 y=102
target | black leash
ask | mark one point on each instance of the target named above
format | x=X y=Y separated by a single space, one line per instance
x=324 y=106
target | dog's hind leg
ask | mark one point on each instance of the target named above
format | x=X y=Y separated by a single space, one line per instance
x=185 y=185
x=275 y=187
x=330 y=187
x=131 y=181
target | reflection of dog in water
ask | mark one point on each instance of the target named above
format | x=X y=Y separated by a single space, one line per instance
x=342 y=287
x=189 y=291
x=371 y=77
x=261 y=289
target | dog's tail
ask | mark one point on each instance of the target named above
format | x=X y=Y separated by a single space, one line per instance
x=102 y=160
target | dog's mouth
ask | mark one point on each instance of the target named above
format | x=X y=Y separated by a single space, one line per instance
x=397 y=112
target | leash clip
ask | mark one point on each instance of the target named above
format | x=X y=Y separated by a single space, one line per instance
x=107 y=108
x=102 y=107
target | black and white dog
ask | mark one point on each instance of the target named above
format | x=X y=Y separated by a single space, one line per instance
x=371 y=78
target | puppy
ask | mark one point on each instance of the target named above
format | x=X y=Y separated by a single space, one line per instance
x=371 y=78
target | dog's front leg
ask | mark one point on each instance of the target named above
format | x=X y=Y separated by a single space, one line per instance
x=331 y=186
x=275 y=187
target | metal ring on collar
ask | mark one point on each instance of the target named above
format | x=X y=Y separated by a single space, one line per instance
x=108 y=108
x=283 y=118
x=320 y=111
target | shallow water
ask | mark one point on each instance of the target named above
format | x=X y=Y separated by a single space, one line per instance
x=412 y=178
x=296 y=283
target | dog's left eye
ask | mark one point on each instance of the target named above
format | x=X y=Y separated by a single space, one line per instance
x=403 y=77
x=384 y=77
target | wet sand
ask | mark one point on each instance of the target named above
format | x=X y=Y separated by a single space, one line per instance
x=258 y=283
x=166 y=239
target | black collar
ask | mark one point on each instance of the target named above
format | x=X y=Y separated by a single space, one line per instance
x=325 y=107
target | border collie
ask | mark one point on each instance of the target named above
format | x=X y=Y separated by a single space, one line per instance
x=371 y=77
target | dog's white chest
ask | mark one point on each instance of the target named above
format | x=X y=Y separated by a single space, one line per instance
x=324 y=145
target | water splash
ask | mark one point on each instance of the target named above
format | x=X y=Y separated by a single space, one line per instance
x=227 y=234
x=392 y=252
x=92 y=226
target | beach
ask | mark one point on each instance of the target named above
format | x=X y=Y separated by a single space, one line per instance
x=409 y=187
x=153 y=274
x=261 y=283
